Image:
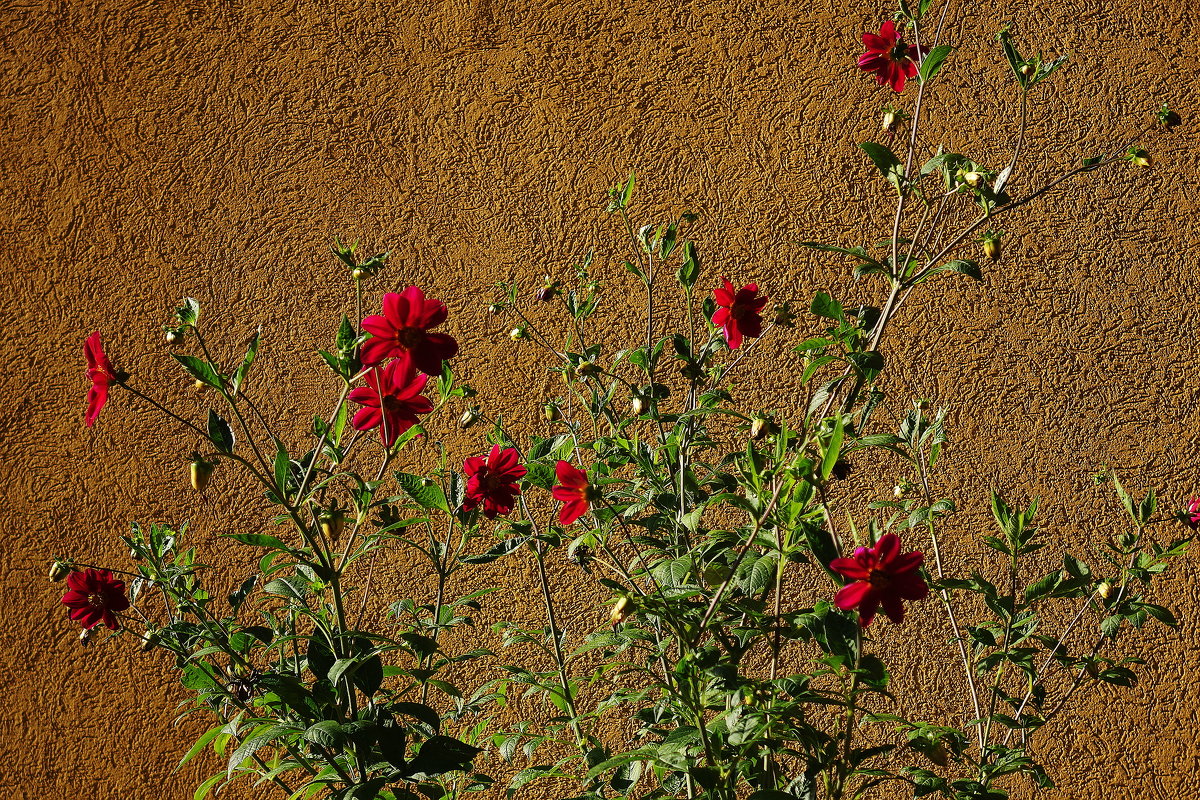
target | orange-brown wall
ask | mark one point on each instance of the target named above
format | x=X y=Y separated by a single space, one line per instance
x=150 y=151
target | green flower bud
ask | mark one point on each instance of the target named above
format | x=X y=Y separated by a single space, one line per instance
x=332 y=521
x=638 y=406
x=468 y=418
x=200 y=472
x=551 y=412
x=59 y=570
x=518 y=333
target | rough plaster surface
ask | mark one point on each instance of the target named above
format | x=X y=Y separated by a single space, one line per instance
x=151 y=151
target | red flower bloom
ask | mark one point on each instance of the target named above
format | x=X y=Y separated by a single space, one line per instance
x=493 y=482
x=94 y=596
x=889 y=57
x=574 y=492
x=101 y=372
x=404 y=330
x=393 y=396
x=739 y=312
x=881 y=575
x=1193 y=513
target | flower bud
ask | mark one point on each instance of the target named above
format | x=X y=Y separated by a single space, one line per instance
x=59 y=570
x=784 y=317
x=622 y=610
x=149 y=641
x=551 y=412
x=1027 y=70
x=332 y=521
x=1104 y=589
x=1139 y=157
x=494 y=309
x=587 y=369
x=468 y=418
x=358 y=273
x=972 y=179
x=199 y=385
x=518 y=333
x=85 y=638
x=938 y=754
x=172 y=337
x=200 y=471
x=889 y=119
x=991 y=244
x=638 y=406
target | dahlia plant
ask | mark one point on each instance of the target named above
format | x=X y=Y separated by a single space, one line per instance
x=746 y=553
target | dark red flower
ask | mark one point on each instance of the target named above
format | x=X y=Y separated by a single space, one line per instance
x=94 y=596
x=403 y=330
x=888 y=56
x=1193 y=512
x=880 y=575
x=739 y=312
x=101 y=372
x=493 y=482
x=392 y=395
x=574 y=492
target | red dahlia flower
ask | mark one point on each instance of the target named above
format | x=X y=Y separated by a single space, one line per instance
x=101 y=372
x=739 y=312
x=493 y=482
x=881 y=575
x=1193 y=512
x=574 y=492
x=392 y=395
x=403 y=330
x=94 y=596
x=889 y=57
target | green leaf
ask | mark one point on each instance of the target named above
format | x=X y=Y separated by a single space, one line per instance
x=204 y=789
x=886 y=161
x=240 y=376
x=627 y=191
x=199 y=369
x=442 y=754
x=689 y=270
x=345 y=336
x=426 y=494
x=833 y=450
x=933 y=62
x=1015 y=61
x=282 y=469
x=265 y=736
x=200 y=744
x=220 y=432
x=327 y=734
x=825 y=306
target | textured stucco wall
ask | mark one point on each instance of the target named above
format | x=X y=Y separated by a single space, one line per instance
x=150 y=151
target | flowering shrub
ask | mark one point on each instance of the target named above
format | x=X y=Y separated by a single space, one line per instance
x=743 y=570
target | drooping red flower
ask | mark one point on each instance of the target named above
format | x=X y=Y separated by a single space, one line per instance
x=880 y=575
x=94 y=596
x=889 y=57
x=403 y=330
x=739 y=312
x=493 y=481
x=1193 y=512
x=392 y=395
x=574 y=492
x=100 y=371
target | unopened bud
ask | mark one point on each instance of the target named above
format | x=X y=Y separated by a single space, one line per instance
x=1104 y=589
x=621 y=611
x=972 y=179
x=1139 y=157
x=494 y=309
x=149 y=641
x=200 y=472
x=518 y=333
x=199 y=385
x=991 y=245
x=468 y=418
x=85 y=638
x=784 y=317
x=59 y=570
x=586 y=369
x=638 y=406
x=938 y=754
x=551 y=412
x=332 y=520
x=1027 y=70
x=889 y=119
x=358 y=273
x=758 y=428
x=172 y=337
